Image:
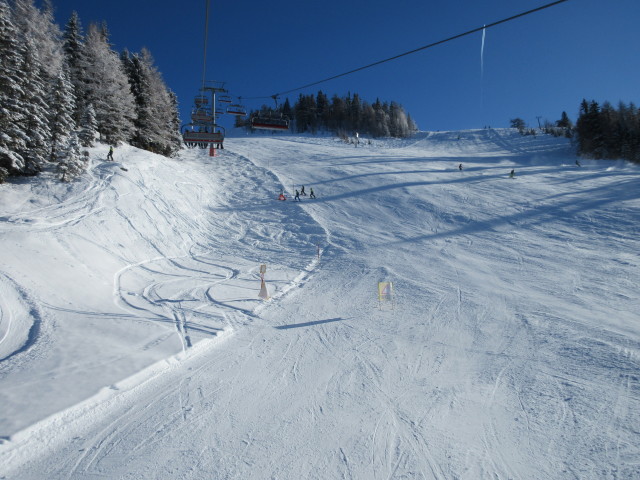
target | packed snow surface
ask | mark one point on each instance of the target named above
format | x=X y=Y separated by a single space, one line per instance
x=133 y=343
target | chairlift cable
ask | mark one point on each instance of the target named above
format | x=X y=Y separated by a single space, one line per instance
x=206 y=36
x=431 y=45
x=203 y=131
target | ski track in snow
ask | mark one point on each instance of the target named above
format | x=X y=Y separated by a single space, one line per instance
x=512 y=351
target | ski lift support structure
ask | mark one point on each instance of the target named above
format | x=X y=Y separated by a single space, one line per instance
x=203 y=130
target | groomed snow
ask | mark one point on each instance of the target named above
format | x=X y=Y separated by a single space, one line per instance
x=133 y=343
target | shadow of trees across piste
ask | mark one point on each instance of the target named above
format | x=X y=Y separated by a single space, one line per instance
x=309 y=324
x=572 y=204
x=468 y=175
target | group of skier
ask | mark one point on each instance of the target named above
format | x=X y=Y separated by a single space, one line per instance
x=512 y=173
x=299 y=193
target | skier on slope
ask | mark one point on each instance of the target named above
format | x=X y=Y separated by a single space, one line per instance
x=512 y=173
x=302 y=192
x=311 y=194
x=110 y=154
x=281 y=196
x=297 y=197
x=460 y=167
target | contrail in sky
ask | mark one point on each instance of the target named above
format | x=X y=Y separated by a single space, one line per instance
x=484 y=31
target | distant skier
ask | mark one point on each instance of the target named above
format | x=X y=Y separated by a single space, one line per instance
x=512 y=174
x=297 y=197
x=110 y=154
x=281 y=196
x=578 y=163
x=302 y=192
x=460 y=167
x=311 y=194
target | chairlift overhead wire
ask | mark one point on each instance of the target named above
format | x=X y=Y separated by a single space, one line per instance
x=203 y=130
x=206 y=38
x=419 y=49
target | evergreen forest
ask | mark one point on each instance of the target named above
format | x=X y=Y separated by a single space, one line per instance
x=606 y=132
x=61 y=90
x=341 y=116
x=65 y=89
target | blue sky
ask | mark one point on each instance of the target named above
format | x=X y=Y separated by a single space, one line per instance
x=535 y=66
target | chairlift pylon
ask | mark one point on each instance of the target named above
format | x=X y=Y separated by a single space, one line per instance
x=203 y=131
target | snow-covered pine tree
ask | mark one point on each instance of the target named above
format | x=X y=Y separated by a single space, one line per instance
x=323 y=109
x=41 y=64
x=154 y=106
x=12 y=136
x=108 y=88
x=413 y=126
x=519 y=124
x=306 y=119
x=175 y=138
x=40 y=27
x=285 y=109
x=34 y=93
x=71 y=162
x=355 y=110
x=165 y=114
x=338 y=114
x=61 y=110
x=399 y=126
x=368 y=118
x=50 y=40
x=629 y=126
x=382 y=119
x=88 y=126
x=564 y=121
x=139 y=84
x=73 y=46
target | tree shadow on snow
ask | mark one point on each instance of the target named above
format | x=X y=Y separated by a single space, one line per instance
x=309 y=324
x=589 y=200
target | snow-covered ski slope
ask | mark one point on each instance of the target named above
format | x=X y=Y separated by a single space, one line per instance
x=134 y=344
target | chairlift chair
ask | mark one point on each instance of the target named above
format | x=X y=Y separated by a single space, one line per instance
x=269 y=123
x=201 y=100
x=236 y=109
x=204 y=136
x=201 y=115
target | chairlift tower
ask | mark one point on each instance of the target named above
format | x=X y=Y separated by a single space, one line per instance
x=204 y=130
